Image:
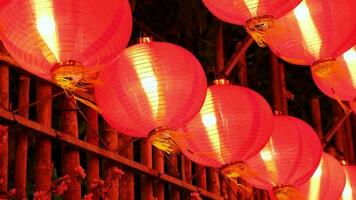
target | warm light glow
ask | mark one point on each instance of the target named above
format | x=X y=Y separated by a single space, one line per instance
x=145 y=72
x=210 y=123
x=47 y=28
x=267 y=156
x=308 y=29
x=314 y=183
x=252 y=6
x=347 y=193
x=350 y=59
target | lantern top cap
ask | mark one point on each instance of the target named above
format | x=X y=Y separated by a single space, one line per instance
x=221 y=81
x=145 y=39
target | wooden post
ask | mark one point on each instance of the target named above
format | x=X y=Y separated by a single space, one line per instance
x=340 y=133
x=201 y=176
x=127 y=187
x=92 y=137
x=158 y=163
x=317 y=123
x=186 y=172
x=224 y=189
x=275 y=82
x=172 y=170
x=70 y=156
x=283 y=89
x=111 y=139
x=21 y=139
x=4 y=131
x=43 y=162
x=348 y=142
x=220 y=48
x=146 y=159
x=213 y=180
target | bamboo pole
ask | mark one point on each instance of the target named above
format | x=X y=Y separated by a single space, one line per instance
x=70 y=156
x=158 y=163
x=43 y=162
x=224 y=190
x=92 y=160
x=172 y=170
x=4 y=145
x=111 y=140
x=146 y=159
x=316 y=116
x=22 y=140
x=127 y=187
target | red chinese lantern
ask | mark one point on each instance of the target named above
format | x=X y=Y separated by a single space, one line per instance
x=257 y=15
x=152 y=89
x=289 y=159
x=338 y=81
x=327 y=182
x=314 y=31
x=349 y=192
x=233 y=125
x=65 y=41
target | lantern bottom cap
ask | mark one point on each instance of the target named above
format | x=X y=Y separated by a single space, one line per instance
x=258 y=28
x=163 y=138
x=68 y=74
x=287 y=192
x=238 y=169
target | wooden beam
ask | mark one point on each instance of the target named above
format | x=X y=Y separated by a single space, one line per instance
x=316 y=116
x=7 y=118
x=241 y=48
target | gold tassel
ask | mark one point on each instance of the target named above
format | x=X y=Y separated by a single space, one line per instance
x=73 y=76
x=287 y=192
x=166 y=139
x=258 y=28
x=327 y=69
x=237 y=170
x=88 y=103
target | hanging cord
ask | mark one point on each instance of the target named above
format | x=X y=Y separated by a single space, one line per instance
x=93 y=131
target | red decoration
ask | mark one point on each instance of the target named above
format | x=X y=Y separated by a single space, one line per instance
x=338 y=81
x=349 y=192
x=289 y=158
x=239 y=11
x=151 y=85
x=327 y=182
x=62 y=40
x=314 y=30
x=233 y=125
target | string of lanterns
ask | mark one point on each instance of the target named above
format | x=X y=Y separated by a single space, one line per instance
x=159 y=90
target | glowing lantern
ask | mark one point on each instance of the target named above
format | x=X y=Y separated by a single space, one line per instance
x=152 y=89
x=315 y=30
x=232 y=126
x=65 y=41
x=349 y=192
x=338 y=81
x=327 y=182
x=289 y=159
x=257 y=15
